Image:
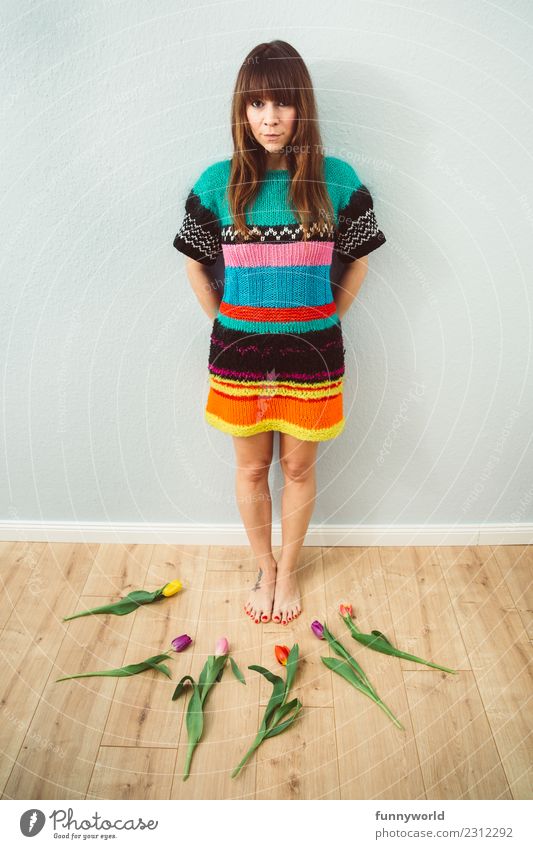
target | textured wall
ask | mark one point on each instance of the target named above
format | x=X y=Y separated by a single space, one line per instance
x=111 y=109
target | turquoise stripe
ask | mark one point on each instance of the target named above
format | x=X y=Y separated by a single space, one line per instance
x=270 y=206
x=281 y=286
x=277 y=326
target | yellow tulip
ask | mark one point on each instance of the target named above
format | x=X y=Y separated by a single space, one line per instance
x=172 y=588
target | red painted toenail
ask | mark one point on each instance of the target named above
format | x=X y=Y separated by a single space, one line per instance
x=264 y=618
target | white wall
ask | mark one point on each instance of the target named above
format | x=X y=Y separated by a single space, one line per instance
x=111 y=109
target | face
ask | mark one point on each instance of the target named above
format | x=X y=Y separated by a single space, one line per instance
x=272 y=123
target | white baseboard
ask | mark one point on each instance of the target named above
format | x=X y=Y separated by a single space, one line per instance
x=317 y=535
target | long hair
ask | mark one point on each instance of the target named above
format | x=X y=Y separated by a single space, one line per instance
x=275 y=70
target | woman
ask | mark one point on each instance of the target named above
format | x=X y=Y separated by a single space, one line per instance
x=278 y=211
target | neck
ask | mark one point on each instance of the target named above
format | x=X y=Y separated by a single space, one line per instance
x=276 y=162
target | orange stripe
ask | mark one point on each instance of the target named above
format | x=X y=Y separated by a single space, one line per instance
x=312 y=414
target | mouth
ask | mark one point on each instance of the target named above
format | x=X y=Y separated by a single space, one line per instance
x=272 y=135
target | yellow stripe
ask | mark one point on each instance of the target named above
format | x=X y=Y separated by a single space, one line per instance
x=271 y=387
x=316 y=435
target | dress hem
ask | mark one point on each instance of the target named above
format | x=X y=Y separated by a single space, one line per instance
x=276 y=424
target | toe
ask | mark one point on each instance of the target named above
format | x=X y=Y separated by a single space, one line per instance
x=265 y=617
x=277 y=616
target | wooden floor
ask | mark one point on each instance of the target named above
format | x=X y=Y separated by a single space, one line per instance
x=466 y=735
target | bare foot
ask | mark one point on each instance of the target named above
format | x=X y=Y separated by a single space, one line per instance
x=259 y=604
x=287 y=596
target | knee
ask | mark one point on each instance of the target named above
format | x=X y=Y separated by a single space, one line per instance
x=294 y=470
x=256 y=471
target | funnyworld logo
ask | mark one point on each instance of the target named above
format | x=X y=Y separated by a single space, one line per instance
x=32 y=822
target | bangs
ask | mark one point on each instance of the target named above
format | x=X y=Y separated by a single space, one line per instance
x=269 y=79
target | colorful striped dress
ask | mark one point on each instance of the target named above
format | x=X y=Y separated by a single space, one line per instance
x=276 y=359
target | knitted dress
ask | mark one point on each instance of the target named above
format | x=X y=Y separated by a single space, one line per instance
x=276 y=359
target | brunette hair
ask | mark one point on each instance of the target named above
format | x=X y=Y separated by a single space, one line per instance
x=275 y=70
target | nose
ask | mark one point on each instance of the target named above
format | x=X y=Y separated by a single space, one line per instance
x=271 y=117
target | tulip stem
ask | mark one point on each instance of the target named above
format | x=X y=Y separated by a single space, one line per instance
x=188 y=760
x=255 y=745
x=389 y=713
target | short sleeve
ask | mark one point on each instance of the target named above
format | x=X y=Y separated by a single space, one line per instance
x=199 y=236
x=357 y=232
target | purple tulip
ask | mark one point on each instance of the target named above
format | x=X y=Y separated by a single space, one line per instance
x=318 y=629
x=181 y=643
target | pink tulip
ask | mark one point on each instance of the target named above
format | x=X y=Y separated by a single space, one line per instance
x=222 y=647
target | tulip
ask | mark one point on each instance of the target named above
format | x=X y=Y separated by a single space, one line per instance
x=222 y=647
x=279 y=713
x=209 y=676
x=282 y=653
x=171 y=588
x=181 y=643
x=131 y=669
x=318 y=629
x=346 y=610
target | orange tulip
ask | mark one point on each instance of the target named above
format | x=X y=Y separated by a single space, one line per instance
x=346 y=610
x=282 y=653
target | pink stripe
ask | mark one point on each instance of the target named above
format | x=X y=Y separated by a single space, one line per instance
x=285 y=253
x=288 y=375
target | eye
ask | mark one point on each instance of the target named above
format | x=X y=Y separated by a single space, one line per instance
x=253 y=102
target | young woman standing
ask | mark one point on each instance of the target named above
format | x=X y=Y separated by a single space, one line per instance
x=278 y=211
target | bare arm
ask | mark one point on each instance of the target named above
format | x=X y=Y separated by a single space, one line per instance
x=349 y=284
x=204 y=287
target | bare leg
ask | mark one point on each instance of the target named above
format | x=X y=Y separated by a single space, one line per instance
x=297 y=459
x=253 y=456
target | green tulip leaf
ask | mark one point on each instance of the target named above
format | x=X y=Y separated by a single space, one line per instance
x=339 y=649
x=161 y=667
x=278 y=692
x=345 y=671
x=204 y=674
x=382 y=637
x=126 y=671
x=122 y=607
x=282 y=711
x=279 y=728
x=378 y=644
x=237 y=672
x=181 y=687
x=292 y=665
x=341 y=667
x=195 y=726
